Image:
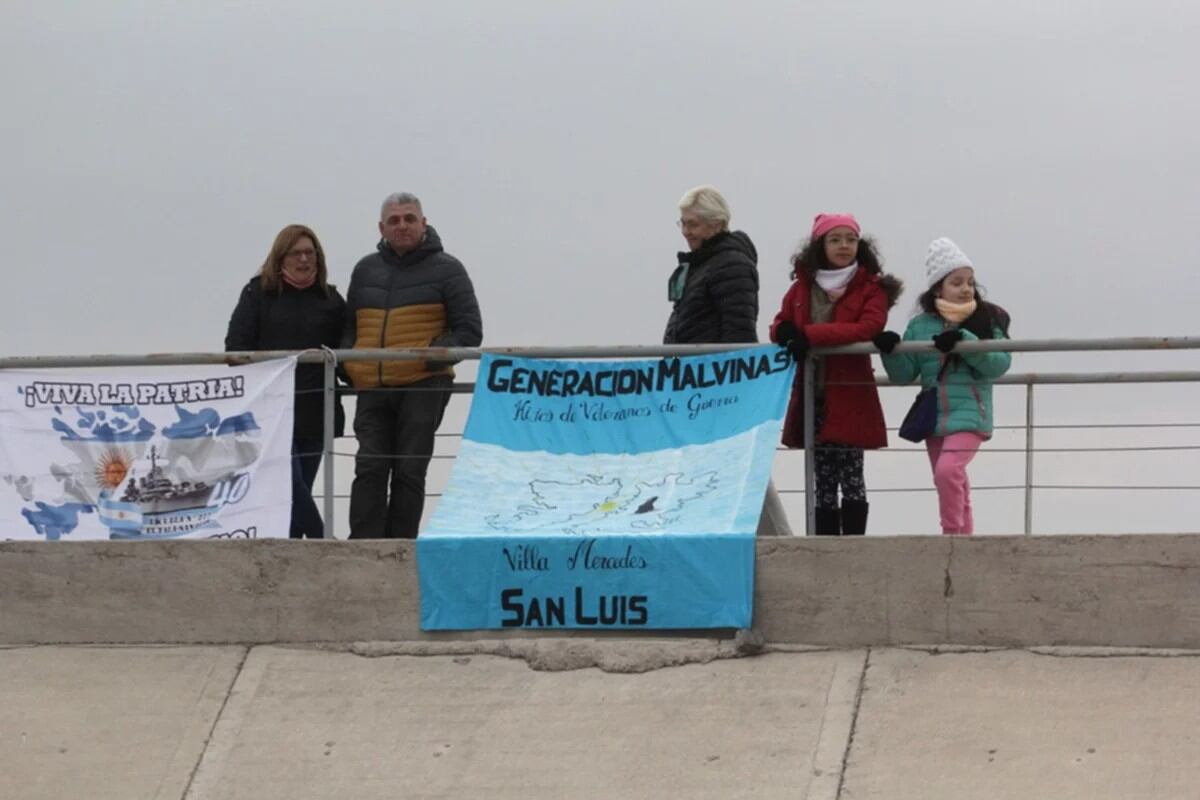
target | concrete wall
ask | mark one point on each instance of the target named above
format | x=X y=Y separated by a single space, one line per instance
x=1137 y=591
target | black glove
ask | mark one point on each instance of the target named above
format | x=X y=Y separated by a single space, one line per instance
x=798 y=346
x=785 y=332
x=946 y=340
x=886 y=341
x=789 y=336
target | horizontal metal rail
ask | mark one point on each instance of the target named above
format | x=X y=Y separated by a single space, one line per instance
x=331 y=358
x=582 y=352
x=309 y=356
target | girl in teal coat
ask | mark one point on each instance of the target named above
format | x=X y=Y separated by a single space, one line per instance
x=953 y=311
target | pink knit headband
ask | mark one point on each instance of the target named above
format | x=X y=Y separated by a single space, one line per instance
x=824 y=223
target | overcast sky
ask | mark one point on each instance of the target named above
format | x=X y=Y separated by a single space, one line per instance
x=150 y=151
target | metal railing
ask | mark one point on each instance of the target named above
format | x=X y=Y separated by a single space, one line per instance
x=331 y=358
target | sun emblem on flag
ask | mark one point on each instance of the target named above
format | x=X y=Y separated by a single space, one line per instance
x=112 y=467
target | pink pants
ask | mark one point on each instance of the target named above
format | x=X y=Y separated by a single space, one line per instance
x=949 y=456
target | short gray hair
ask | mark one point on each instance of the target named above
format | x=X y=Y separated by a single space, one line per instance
x=399 y=199
x=708 y=203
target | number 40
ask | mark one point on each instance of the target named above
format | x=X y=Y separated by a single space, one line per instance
x=231 y=490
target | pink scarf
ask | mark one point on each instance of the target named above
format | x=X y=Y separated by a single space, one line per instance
x=298 y=283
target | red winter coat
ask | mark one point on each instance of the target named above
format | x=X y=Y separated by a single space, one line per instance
x=853 y=415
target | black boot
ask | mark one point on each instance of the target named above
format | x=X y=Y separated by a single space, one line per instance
x=854 y=517
x=828 y=522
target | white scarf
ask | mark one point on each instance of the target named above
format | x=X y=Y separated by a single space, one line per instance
x=835 y=281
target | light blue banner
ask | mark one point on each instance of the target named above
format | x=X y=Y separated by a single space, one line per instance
x=606 y=494
x=586 y=407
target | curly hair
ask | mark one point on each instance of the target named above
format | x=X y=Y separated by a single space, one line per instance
x=811 y=257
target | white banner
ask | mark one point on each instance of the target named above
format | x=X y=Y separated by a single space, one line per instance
x=141 y=453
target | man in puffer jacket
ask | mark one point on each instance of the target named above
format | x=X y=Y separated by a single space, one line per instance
x=410 y=293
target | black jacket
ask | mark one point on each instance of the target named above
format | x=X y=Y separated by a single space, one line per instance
x=720 y=297
x=292 y=319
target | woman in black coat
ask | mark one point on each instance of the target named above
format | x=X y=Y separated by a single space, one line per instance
x=290 y=305
x=715 y=285
x=714 y=289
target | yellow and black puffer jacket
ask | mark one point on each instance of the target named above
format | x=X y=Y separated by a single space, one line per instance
x=423 y=298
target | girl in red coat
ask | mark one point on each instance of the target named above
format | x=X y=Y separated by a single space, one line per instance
x=839 y=296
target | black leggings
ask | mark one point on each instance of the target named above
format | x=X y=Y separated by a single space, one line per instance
x=837 y=465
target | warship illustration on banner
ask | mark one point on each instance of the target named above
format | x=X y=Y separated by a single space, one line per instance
x=156 y=507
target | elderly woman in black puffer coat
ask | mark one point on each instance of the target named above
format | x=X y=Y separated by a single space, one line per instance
x=715 y=292
x=715 y=286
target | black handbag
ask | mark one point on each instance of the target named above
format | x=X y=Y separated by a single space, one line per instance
x=921 y=420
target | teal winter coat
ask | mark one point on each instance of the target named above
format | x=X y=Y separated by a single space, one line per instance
x=965 y=391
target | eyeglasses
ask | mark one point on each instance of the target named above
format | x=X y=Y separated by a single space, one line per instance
x=306 y=253
x=689 y=224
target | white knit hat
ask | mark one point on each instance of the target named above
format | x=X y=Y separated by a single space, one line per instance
x=944 y=257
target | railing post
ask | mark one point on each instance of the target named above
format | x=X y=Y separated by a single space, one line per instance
x=1029 y=458
x=329 y=384
x=810 y=445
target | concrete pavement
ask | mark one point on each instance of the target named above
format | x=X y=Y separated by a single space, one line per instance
x=1017 y=724
x=219 y=723
x=108 y=723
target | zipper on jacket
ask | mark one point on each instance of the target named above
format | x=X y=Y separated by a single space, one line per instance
x=387 y=311
x=943 y=393
x=383 y=332
x=979 y=403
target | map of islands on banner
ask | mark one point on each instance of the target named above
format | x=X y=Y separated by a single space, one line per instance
x=146 y=453
x=618 y=494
